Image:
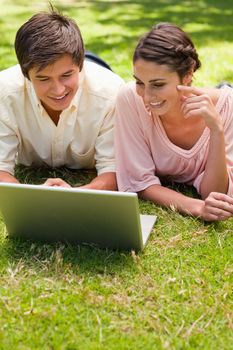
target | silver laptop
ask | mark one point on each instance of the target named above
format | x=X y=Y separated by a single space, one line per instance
x=48 y=214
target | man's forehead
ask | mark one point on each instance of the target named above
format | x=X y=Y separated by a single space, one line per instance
x=62 y=65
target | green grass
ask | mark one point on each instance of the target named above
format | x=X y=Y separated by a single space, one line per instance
x=177 y=293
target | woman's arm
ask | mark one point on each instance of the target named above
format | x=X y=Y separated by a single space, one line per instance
x=136 y=170
x=216 y=206
x=199 y=104
x=215 y=177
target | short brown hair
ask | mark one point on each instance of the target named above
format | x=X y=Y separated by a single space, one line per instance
x=44 y=38
x=167 y=44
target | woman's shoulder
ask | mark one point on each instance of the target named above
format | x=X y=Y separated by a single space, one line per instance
x=128 y=89
x=127 y=94
x=214 y=93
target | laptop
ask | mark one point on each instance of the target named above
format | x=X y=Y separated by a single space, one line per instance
x=107 y=219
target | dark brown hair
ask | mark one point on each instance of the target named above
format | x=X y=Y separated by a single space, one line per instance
x=44 y=38
x=167 y=44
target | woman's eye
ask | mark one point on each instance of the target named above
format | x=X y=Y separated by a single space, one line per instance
x=158 y=85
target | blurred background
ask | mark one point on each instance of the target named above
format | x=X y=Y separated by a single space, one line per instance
x=111 y=29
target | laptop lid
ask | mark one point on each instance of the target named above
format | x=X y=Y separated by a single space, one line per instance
x=105 y=218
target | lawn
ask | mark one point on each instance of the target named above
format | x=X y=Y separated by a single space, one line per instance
x=177 y=293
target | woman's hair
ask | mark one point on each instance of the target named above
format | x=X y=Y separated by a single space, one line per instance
x=44 y=38
x=167 y=44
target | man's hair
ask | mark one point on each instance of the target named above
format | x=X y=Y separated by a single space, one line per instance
x=45 y=38
x=167 y=44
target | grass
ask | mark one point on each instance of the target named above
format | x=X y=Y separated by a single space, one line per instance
x=177 y=293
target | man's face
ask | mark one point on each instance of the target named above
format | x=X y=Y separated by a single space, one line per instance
x=56 y=84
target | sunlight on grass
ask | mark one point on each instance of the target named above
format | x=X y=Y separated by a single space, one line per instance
x=217 y=63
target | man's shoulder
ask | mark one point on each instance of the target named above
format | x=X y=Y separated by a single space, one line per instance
x=11 y=79
x=101 y=81
x=11 y=72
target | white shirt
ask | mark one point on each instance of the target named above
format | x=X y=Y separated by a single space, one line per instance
x=83 y=137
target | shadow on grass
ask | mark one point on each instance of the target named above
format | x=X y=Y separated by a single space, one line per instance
x=209 y=20
x=37 y=176
x=59 y=258
x=205 y=20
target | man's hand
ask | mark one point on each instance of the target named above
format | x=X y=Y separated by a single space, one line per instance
x=56 y=183
x=105 y=181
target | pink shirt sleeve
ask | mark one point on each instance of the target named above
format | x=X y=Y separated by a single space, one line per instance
x=134 y=163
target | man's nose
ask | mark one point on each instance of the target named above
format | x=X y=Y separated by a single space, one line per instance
x=57 y=87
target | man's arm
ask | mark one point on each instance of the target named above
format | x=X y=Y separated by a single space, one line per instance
x=9 y=142
x=105 y=181
x=7 y=177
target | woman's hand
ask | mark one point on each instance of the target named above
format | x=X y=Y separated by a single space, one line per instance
x=56 y=182
x=197 y=103
x=216 y=207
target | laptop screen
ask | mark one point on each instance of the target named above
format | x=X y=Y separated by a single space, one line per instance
x=106 y=218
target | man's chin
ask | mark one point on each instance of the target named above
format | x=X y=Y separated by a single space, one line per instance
x=59 y=106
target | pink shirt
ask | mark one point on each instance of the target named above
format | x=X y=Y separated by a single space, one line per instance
x=144 y=153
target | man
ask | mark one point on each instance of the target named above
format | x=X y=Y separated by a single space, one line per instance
x=55 y=109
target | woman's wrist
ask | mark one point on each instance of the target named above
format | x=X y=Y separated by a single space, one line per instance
x=194 y=207
x=217 y=128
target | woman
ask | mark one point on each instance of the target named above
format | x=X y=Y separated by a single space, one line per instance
x=167 y=129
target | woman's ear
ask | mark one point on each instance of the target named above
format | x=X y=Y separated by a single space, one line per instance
x=187 y=79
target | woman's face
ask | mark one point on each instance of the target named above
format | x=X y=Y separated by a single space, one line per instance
x=156 y=84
